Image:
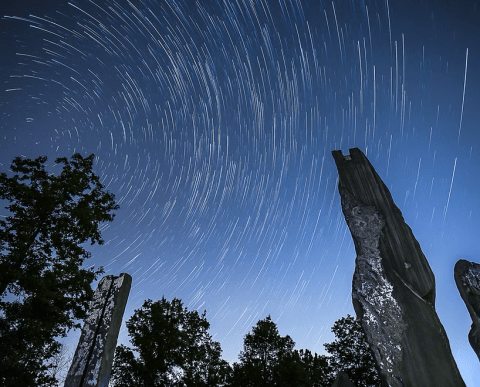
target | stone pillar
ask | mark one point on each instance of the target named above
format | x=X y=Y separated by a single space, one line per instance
x=393 y=288
x=93 y=359
x=467 y=278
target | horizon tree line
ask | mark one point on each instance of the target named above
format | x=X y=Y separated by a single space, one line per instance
x=171 y=346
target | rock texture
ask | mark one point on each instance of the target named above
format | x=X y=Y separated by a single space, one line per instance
x=342 y=380
x=393 y=286
x=92 y=362
x=467 y=278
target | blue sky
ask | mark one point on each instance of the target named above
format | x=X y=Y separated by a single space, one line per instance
x=213 y=124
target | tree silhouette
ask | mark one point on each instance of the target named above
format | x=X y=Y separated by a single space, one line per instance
x=351 y=353
x=303 y=369
x=269 y=359
x=173 y=346
x=262 y=350
x=43 y=288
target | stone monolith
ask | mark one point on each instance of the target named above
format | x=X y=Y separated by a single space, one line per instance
x=393 y=287
x=92 y=362
x=467 y=278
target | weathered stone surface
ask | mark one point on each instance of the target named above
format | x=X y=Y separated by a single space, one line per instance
x=467 y=278
x=92 y=362
x=342 y=380
x=393 y=288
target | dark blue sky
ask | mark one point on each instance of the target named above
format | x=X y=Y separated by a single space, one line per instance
x=213 y=123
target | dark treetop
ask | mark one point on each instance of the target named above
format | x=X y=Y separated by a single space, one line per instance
x=44 y=288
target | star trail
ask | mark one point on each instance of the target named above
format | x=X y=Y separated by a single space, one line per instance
x=213 y=123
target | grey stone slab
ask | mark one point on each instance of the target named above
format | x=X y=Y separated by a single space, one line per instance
x=393 y=288
x=93 y=359
x=467 y=278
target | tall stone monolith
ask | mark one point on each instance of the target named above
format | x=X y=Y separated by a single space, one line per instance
x=393 y=287
x=92 y=362
x=467 y=278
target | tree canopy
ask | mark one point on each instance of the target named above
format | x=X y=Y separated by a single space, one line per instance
x=44 y=288
x=350 y=353
x=269 y=359
x=263 y=350
x=174 y=349
x=171 y=347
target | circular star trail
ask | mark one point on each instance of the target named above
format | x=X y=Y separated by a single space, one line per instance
x=213 y=123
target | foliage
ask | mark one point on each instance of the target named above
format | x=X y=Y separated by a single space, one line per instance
x=269 y=359
x=262 y=350
x=316 y=367
x=173 y=346
x=303 y=369
x=43 y=288
x=59 y=365
x=351 y=353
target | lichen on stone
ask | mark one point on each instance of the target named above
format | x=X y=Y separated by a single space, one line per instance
x=472 y=279
x=382 y=318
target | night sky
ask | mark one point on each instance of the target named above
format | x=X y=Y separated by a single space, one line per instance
x=213 y=123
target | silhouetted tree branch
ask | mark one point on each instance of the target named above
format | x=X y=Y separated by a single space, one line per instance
x=44 y=289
